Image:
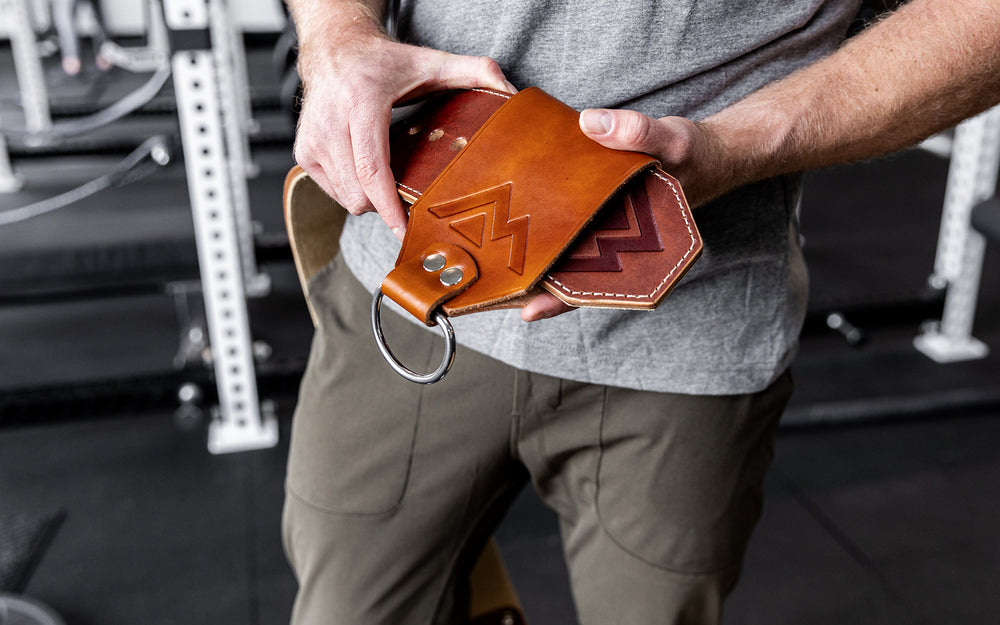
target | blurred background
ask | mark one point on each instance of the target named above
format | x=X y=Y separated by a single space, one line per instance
x=153 y=331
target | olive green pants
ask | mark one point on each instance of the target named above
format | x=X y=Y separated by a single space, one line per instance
x=394 y=487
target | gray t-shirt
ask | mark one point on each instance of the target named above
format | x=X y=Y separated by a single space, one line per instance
x=732 y=324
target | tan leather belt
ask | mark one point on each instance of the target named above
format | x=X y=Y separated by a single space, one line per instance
x=508 y=195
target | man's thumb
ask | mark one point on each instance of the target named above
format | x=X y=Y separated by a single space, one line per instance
x=617 y=129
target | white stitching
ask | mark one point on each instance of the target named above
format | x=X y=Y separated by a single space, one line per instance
x=505 y=96
x=409 y=188
x=694 y=242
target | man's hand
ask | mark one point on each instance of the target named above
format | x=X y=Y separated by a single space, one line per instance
x=353 y=74
x=684 y=149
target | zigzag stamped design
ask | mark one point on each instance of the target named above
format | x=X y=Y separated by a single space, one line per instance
x=494 y=208
x=636 y=202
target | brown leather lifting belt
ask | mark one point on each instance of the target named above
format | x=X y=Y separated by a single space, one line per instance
x=514 y=182
x=509 y=195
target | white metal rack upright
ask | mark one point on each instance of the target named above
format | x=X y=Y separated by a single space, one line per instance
x=27 y=64
x=213 y=103
x=972 y=179
x=237 y=117
x=18 y=17
x=215 y=162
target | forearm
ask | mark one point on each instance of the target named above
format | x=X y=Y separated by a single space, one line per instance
x=919 y=71
x=324 y=28
x=321 y=15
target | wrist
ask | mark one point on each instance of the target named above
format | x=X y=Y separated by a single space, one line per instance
x=750 y=141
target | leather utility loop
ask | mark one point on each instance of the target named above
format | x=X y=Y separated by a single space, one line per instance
x=423 y=282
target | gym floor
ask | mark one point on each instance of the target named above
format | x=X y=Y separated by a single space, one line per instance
x=881 y=504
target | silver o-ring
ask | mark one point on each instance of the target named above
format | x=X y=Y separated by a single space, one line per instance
x=426 y=378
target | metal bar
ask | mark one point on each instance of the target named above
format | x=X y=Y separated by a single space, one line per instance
x=971 y=179
x=234 y=122
x=9 y=181
x=150 y=57
x=239 y=423
x=41 y=15
x=241 y=77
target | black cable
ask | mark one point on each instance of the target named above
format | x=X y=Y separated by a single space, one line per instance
x=129 y=169
x=68 y=128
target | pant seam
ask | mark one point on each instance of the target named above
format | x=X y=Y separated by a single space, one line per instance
x=448 y=580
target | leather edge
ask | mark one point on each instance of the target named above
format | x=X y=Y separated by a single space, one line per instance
x=652 y=300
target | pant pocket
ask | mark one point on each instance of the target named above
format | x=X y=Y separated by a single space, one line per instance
x=679 y=479
x=352 y=462
x=356 y=421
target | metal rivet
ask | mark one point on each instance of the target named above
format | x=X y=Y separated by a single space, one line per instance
x=459 y=143
x=414 y=130
x=435 y=134
x=451 y=276
x=508 y=619
x=434 y=262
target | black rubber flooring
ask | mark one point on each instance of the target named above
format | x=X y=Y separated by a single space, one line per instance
x=876 y=524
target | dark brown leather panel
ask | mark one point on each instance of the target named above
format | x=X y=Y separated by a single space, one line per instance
x=634 y=255
x=424 y=144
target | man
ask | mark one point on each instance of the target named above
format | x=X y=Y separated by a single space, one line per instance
x=648 y=433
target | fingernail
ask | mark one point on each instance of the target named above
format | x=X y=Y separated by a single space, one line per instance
x=536 y=316
x=399 y=232
x=595 y=122
x=511 y=88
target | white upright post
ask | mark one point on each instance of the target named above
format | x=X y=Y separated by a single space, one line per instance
x=235 y=103
x=239 y=423
x=27 y=65
x=972 y=179
x=17 y=18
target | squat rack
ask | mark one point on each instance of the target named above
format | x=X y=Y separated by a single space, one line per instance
x=208 y=65
x=210 y=83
